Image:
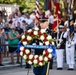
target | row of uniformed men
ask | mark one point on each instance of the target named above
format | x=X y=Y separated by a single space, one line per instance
x=67 y=43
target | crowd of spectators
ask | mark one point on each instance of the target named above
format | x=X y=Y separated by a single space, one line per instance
x=11 y=28
x=10 y=25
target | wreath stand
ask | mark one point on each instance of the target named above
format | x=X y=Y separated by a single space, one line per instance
x=47 y=70
x=21 y=66
x=37 y=47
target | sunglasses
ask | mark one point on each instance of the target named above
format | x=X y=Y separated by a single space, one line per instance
x=12 y=28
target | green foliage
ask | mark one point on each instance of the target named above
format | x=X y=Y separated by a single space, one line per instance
x=7 y=1
x=29 y=5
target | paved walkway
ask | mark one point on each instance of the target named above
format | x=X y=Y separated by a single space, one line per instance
x=23 y=71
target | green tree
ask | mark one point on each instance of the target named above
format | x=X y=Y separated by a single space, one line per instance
x=24 y=4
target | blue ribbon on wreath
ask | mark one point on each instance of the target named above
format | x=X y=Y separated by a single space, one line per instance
x=50 y=46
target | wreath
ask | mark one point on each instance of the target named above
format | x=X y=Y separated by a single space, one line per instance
x=27 y=37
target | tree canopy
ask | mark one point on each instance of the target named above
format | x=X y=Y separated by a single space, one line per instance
x=24 y=4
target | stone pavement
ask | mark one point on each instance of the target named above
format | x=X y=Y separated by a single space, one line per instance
x=7 y=60
x=23 y=71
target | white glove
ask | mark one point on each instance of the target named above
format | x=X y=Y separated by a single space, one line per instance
x=60 y=40
x=69 y=45
x=68 y=29
x=58 y=45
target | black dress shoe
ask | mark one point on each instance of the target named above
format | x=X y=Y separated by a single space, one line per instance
x=70 y=69
x=18 y=62
x=1 y=65
x=59 y=68
x=28 y=67
x=50 y=68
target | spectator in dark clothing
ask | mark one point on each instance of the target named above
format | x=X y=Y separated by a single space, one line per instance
x=7 y=30
x=19 y=29
x=0 y=13
x=24 y=25
x=2 y=41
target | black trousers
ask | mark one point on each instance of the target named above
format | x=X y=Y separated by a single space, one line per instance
x=51 y=64
x=27 y=65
